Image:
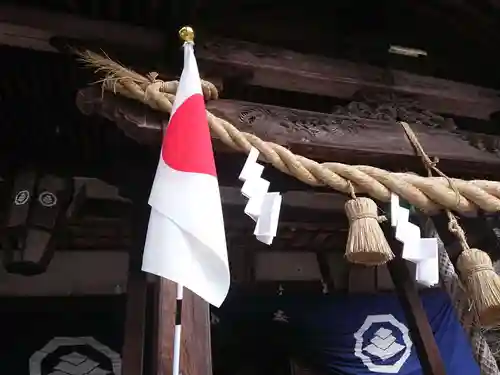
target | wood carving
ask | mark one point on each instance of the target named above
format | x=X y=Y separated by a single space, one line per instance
x=358 y=135
x=483 y=142
x=300 y=123
x=388 y=106
x=369 y=127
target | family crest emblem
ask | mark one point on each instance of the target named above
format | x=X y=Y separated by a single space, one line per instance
x=383 y=344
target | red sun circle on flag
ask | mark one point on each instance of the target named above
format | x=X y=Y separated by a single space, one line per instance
x=195 y=154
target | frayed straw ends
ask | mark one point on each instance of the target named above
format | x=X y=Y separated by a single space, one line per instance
x=366 y=243
x=483 y=284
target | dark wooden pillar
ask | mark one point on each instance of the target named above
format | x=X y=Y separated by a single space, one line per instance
x=134 y=175
x=135 y=322
x=418 y=323
x=196 y=355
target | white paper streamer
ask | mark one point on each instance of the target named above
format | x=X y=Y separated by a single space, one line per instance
x=421 y=251
x=263 y=207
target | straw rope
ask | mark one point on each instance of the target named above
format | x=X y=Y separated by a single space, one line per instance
x=463 y=305
x=474 y=265
x=430 y=194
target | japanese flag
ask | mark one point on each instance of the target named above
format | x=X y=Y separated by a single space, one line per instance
x=186 y=239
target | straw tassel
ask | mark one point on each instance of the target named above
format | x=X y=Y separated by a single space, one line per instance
x=483 y=284
x=366 y=243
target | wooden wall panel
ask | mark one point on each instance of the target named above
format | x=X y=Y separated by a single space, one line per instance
x=384 y=280
x=362 y=279
x=72 y=273
x=339 y=270
x=292 y=266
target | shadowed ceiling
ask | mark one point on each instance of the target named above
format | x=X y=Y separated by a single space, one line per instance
x=461 y=37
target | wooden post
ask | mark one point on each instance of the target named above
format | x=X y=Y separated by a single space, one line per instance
x=135 y=182
x=196 y=355
x=418 y=324
x=135 y=323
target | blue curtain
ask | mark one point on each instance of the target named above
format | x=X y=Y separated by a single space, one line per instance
x=28 y=324
x=340 y=334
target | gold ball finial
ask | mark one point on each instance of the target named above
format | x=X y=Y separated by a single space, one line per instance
x=187 y=34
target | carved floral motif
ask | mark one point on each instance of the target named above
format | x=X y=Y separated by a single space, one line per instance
x=348 y=119
x=388 y=106
x=301 y=121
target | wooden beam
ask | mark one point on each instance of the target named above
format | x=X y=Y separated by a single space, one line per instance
x=32 y=28
x=350 y=138
x=418 y=324
x=196 y=350
x=287 y=70
x=347 y=138
x=254 y=64
x=331 y=202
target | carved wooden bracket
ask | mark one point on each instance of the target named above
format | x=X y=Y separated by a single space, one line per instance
x=38 y=204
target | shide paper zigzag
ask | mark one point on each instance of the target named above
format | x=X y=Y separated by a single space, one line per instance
x=421 y=251
x=263 y=207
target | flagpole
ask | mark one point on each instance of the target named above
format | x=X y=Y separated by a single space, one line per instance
x=177 y=331
x=187 y=35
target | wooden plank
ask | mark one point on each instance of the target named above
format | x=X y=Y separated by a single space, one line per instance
x=290 y=266
x=287 y=70
x=254 y=64
x=20 y=24
x=362 y=279
x=196 y=356
x=74 y=273
x=340 y=269
x=354 y=140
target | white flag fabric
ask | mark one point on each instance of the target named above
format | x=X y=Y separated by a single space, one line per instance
x=186 y=240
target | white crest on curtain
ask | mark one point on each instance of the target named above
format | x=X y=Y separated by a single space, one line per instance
x=74 y=362
x=384 y=349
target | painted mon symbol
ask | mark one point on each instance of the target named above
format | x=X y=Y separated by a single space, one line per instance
x=383 y=344
x=75 y=356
